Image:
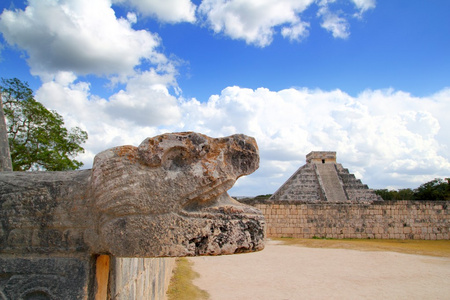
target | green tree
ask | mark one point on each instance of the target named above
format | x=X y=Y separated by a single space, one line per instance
x=37 y=137
x=436 y=189
x=405 y=194
x=385 y=194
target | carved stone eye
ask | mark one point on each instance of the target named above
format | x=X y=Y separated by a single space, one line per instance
x=176 y=158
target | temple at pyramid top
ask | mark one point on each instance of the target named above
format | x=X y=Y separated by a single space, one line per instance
x=322 y=179
x=323 y=157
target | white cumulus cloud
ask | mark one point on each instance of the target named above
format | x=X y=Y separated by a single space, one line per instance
x=171 y=11
x=257 y=22
x=252 y=20
x=334 y=23
x=81 y=36
x=296 y=32
x=364 y=5
x=145 y=101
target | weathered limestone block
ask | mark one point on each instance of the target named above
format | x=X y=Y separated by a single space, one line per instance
x=166 y=197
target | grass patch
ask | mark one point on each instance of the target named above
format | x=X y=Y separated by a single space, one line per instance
x=181 y=286
x=440 y=248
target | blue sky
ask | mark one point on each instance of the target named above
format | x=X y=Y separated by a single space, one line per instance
x=368 y=79
x=399 y=44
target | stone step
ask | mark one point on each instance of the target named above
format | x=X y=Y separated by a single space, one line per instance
x=330 y=183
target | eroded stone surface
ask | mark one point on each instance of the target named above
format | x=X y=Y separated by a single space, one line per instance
x=166 y=197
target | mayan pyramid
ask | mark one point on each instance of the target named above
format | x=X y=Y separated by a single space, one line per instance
x=322 y=179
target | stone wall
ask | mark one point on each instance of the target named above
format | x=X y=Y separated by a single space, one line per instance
x=140 y=278
x=428 y=220
x=73 y=278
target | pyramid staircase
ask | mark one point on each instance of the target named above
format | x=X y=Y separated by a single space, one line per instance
x=322 y=179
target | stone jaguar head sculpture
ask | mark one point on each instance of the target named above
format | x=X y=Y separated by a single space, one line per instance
x=166 y=197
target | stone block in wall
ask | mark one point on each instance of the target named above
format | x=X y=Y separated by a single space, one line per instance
x=287 y=230
x=45 y=278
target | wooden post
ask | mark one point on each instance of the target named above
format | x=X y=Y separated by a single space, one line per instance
x=102 y=277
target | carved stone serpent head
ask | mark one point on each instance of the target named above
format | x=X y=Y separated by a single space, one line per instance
x=166 y=197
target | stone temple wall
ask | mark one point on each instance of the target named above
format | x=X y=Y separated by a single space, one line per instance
x=427 y=220
x=141 y=278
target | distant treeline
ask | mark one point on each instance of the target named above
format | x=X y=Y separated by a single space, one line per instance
x=436 y=189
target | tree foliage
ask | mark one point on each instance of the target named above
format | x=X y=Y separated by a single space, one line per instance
x=403 y=194
x=37 y=137
x=436 y=189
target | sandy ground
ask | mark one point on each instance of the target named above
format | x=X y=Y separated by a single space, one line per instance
x=293 y=272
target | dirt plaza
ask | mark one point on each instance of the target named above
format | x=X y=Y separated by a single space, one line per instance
x=283 y=271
